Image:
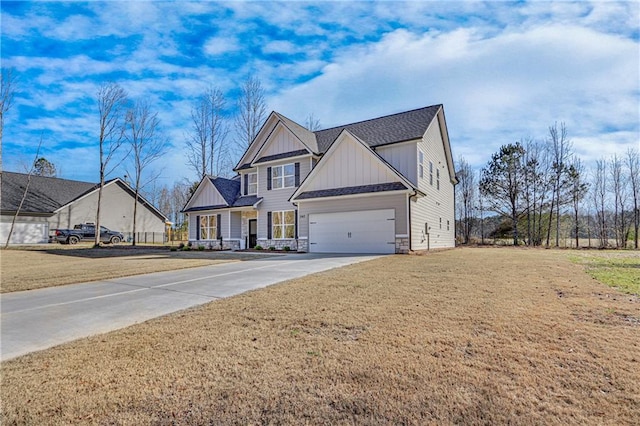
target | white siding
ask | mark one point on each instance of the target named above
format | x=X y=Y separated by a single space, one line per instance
x=27 y=230
x=403 y=157
x=116 y=212
x=282 y=140
x=207 y=195
x=438 y=206
x=276 y=199
x=236 y=225
x=398 y=202
x=350 y=164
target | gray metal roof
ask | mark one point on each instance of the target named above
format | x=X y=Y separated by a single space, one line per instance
x=45 y=195
x=400 y=127
x=352 y=190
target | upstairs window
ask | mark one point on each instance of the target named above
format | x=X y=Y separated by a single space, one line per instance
x=252 y=184
x=430 y=173
x=420 y=164
x=438 y=179
x=283 y=176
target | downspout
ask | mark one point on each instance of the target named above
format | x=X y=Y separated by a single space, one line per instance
x=415 y=193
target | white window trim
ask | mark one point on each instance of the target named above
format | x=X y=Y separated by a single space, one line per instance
x=420 y=164
x=282 y=178
x=249 y=184
x=215 y=228
x=282 y=225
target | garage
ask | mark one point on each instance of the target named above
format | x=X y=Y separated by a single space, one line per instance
x=25 y=232
x=368 y=231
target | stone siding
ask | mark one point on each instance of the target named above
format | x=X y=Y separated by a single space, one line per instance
x=402 y=245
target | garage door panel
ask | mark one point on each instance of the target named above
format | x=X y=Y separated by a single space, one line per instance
x=369 y=231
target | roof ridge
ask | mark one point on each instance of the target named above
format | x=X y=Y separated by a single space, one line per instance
x=377 y=118
x=51 y=177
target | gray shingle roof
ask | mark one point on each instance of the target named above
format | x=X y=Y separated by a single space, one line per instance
x=385 y=130
x=281 y=156
x=246 y=201
x=352 y=190
x=229 y=189
x=45 y=195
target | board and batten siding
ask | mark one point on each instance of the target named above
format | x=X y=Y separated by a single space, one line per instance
x=116 y=212
x=276 y=199
x=208 y=196
x=350 y=164
x=437 y=207
x=403 y=157
x=281 y=141
x=398 y=202
x=235 y=224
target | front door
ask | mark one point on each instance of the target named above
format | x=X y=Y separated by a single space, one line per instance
x=253 y=232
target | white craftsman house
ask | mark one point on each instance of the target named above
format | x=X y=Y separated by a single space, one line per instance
x=384 y=185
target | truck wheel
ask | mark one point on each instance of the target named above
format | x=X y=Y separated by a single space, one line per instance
x=115 y=240
x=73 y=239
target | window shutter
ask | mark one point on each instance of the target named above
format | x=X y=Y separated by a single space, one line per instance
x=297 y=166
x=269 y=223
x=246 y=184
x=296 y=219
x=197 y=227
x=218 y=227
x=268 y=178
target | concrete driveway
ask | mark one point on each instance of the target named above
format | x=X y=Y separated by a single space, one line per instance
x=39 y=319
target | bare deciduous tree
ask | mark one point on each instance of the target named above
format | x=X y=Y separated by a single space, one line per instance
x=633 y=167
x=252 y=111
x=112 y=101
x=466 y=189
x=7 y=91
x=599 y=193
x=312 y=123
x=24 y=195
x=147 y=145
x=208 y=152
x=560 y=154
x=577 y=188
x=618 y=189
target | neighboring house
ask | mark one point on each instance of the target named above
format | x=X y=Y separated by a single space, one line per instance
x=384 y=185
x=53 y=203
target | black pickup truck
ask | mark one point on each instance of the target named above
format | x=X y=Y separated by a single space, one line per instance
x=87 y=232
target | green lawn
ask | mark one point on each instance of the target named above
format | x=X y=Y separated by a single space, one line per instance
x=618 y=269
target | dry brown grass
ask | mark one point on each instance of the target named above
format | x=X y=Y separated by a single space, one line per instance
x=471 y=336
x=38 y=267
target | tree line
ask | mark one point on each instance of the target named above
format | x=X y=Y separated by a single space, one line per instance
x=130 y=138
x=541 y=190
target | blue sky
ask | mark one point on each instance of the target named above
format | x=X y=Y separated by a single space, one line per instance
x=503 y=70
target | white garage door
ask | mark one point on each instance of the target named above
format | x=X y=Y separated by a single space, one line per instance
x=370 y=231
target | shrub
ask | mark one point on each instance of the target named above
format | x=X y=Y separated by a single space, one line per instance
x=286 y=248
x=258 y=247
x=174 y=249
x=272 y=248
x=186 y=248
x=200 y=248
x=181 y=246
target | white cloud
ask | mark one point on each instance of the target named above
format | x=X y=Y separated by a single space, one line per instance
x=220 y=45
x=495 y=89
